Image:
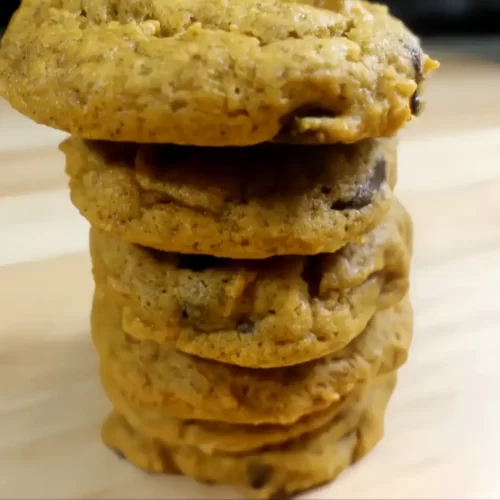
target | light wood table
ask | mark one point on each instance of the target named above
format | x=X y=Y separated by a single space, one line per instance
x=443 y=433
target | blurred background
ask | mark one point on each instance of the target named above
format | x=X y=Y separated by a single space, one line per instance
x=461 y=25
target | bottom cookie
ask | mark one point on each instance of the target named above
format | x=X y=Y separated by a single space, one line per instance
x=273 y=471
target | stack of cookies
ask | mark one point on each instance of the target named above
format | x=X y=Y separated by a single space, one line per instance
x=236 y=162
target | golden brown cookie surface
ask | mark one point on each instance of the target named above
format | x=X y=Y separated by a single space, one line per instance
x=159 y=380
x=262 y=314
x=212 y=73
x=275 y=471
x=212 y=436
x=254 y=202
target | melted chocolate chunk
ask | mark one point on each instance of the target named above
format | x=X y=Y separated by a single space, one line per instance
x=259 y=475
x=415 y=104
x=367 y=191
x=418 y=66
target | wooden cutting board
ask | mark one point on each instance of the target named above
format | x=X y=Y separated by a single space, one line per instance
x=442 y=438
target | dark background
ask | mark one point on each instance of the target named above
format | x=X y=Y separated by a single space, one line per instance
x=425 y=17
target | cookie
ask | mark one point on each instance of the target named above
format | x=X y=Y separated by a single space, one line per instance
x=160 y=380
x=215 y=73
x=211 y=436
x=265 y=313
x=253 y=203
x=275 y=471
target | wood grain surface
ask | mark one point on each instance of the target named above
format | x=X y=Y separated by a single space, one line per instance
x=442 y=433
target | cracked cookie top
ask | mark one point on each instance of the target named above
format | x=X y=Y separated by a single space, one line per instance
x=224 y=72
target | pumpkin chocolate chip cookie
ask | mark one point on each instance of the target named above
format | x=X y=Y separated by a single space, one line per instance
x=254 y=202
x=211 y=436
x=161 y=380
x=216 y=73
x=274 y=471
x=261 y=314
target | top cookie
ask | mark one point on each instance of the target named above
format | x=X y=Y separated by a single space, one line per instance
x=220 y=72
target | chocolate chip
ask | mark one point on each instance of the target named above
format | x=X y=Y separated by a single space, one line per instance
x=245 y=327
x=366 y=192
x=259 y=475
x=415 y=104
